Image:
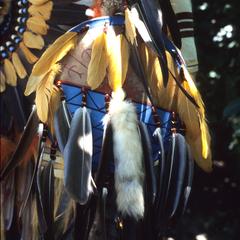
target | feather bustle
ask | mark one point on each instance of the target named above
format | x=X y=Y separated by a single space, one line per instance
x=32 y=40
x=30 y=57
x=17 y=63
x=98 y=63
x=10 y=73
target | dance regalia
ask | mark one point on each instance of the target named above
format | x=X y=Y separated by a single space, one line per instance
x=118 y=102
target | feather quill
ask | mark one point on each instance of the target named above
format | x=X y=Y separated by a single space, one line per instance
x=98 y=63
x=44 y=92
x=20 y=69
x=10 y=73
x=51 y=56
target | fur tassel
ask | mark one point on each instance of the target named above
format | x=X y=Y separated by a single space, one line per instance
x=32 y=40
x=51 y=56
x=38 y=2
x=53 y=107
x=118 y=54
x=43 y=11
x=98 y=63
x=128 y=157
x=37 y=25
x=2 y=82
x=30 y=57
x=17 y=63
x=10 y=73
x=44 y=92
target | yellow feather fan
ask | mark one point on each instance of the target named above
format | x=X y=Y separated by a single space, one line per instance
x=172 y=99
x=51 y=56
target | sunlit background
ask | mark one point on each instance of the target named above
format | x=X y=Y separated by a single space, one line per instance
x=214 y=209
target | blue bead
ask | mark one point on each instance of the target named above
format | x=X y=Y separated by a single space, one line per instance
x=11 y=48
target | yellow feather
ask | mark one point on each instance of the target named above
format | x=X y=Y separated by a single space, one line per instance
x=10 y=73
x=32 y=40
x=125 y=53
x=30 y=57
x=171 y=98
x=197 y=133
x=51 y=56
x=37 y=25
x=130 y=29
x=53 y=106
x=2 y=82
x=44 y=92
x=37 y=2
x=55 y=53
x=98 y=63
x=115 y=60
x=20 y=69
x=163 y=96
x=43 y=10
